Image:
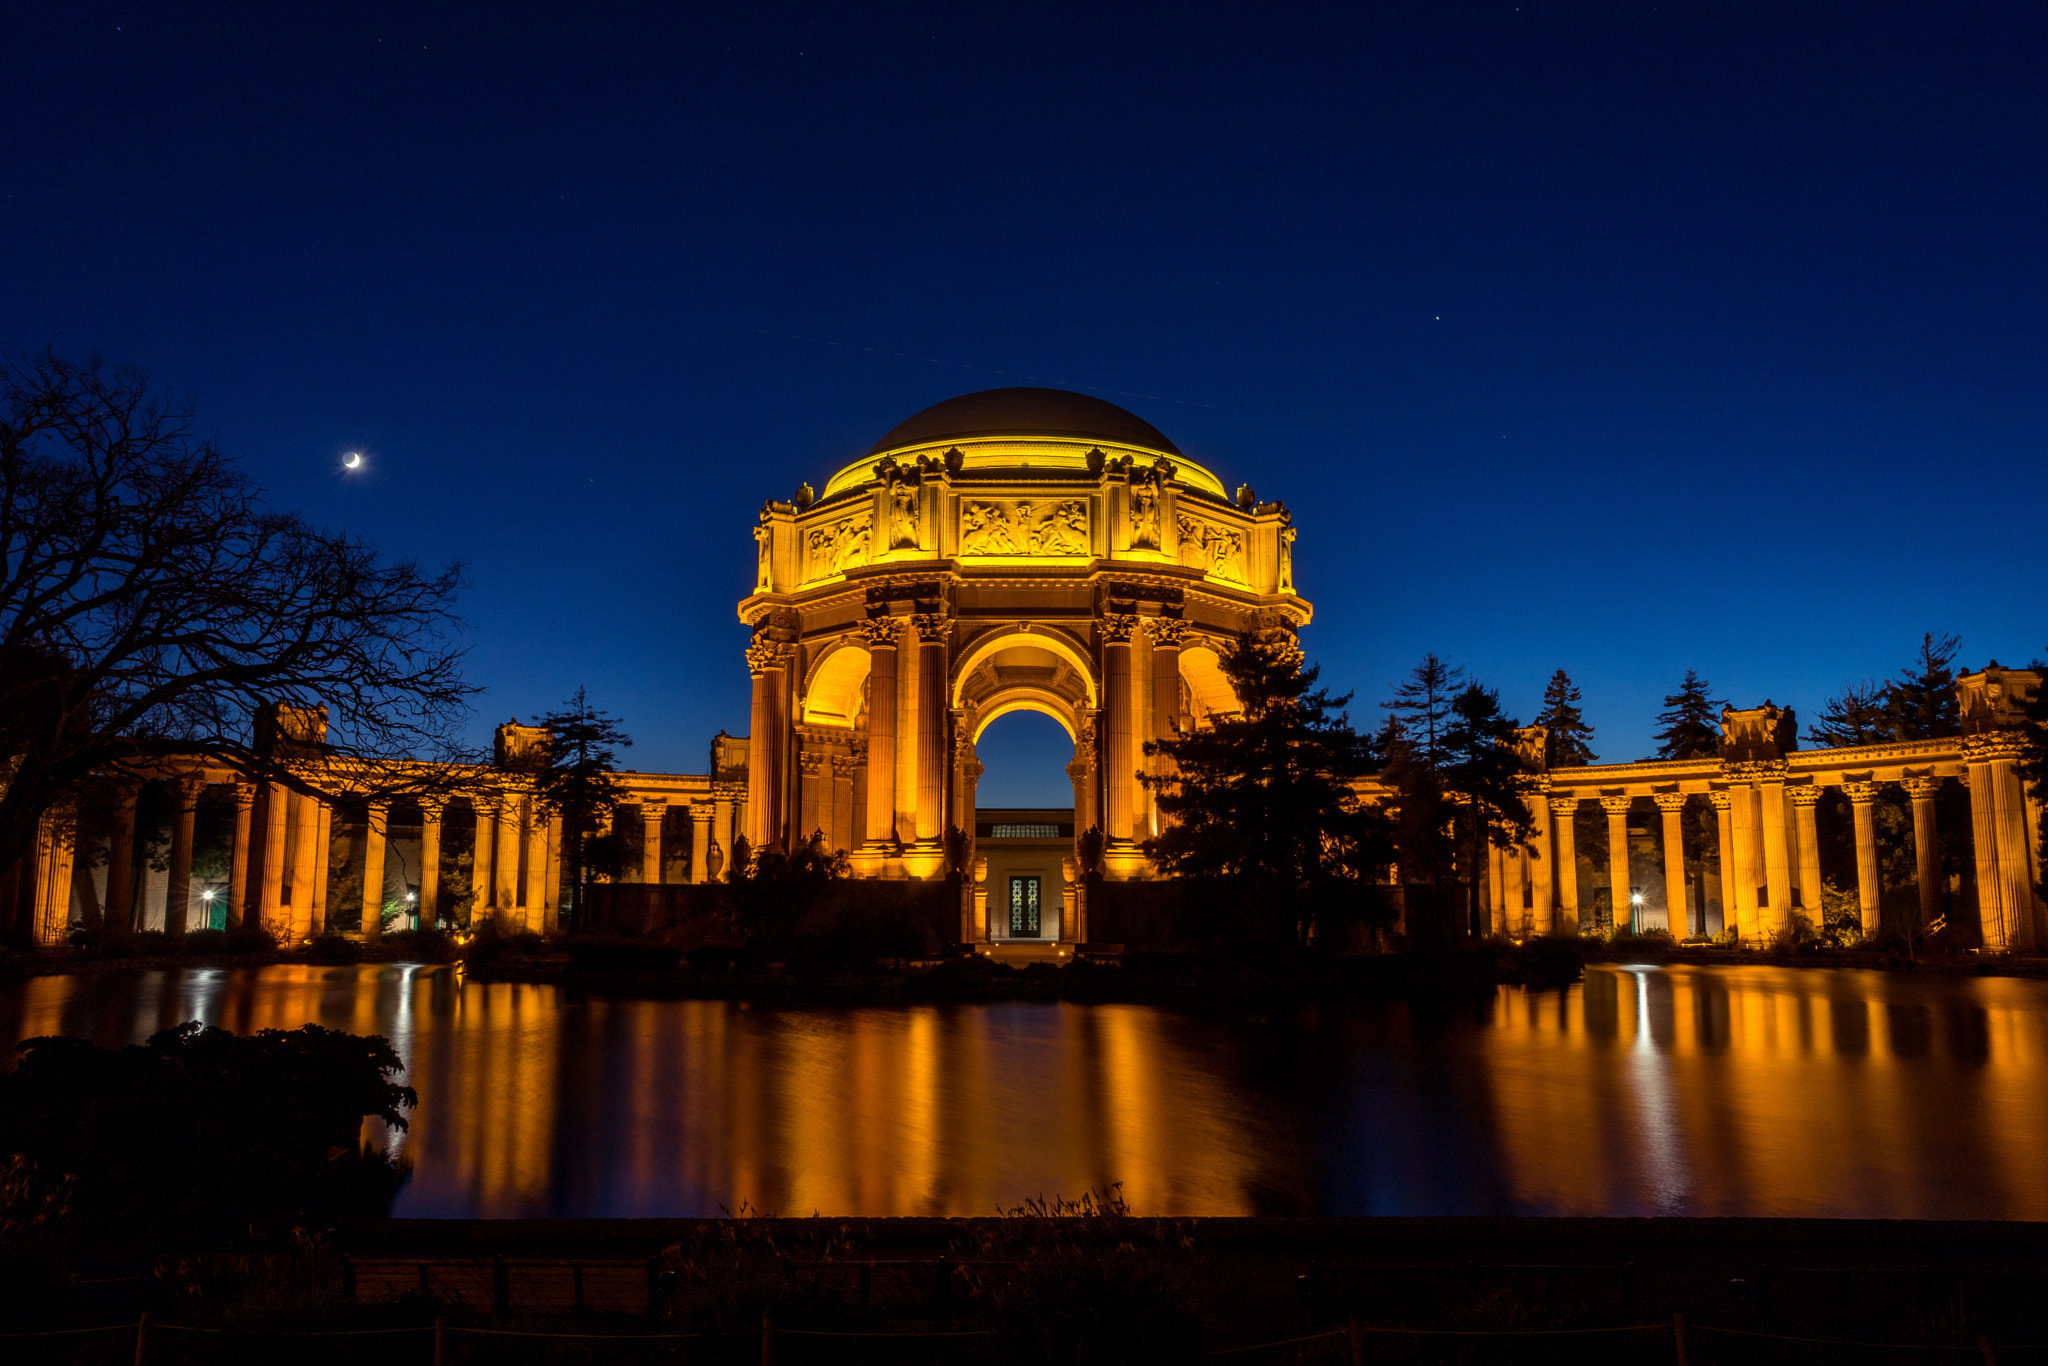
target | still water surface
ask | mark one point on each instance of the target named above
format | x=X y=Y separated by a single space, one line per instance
x=1715 y=1091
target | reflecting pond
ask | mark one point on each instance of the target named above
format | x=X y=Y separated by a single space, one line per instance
x=1715 y=1091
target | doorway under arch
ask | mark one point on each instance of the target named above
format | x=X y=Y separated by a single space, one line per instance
x=1024 y=825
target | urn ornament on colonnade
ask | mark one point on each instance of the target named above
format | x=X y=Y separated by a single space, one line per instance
x=1011 y=550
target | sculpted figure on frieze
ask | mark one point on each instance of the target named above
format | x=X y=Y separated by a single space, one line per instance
x=1024 y=527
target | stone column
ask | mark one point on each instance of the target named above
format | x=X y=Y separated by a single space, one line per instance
x=1770 y=798
x=1543 y=865
x=537 y=822
x=813 y=802
x=1617 y=860
x=1081 y=773
x=1119 y=763
x=1861 y=798
x=882 y=633
x=305 y=854
x=551 y=882
x=1742 y=880
x=932 y=749
x=1677 y=912
x=323 y=838
x=431 y=809
x=120 y=909
x=270 y=890
x=1724 y=829
x=238 y=856
x=56 y=862
x=970 y=792
x=1563 y=810
x=841 y=833
x=1805 y=798
x=1168 y=635
x=376 y=823
x=1496 y=895
x=700 y=841
x=768 y=748
x=1926 y=852
x=652 y=810
x=2005 y=896
x=505 y=847
x=178 y=891
x=481 y=878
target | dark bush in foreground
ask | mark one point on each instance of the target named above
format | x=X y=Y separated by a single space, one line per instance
x=200 y=1128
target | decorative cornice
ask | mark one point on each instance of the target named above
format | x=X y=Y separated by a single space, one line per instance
x=1755 y=770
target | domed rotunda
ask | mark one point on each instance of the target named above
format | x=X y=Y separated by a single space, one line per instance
x=1014 y=549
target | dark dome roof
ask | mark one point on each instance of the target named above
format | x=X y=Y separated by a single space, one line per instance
x=1025 y=412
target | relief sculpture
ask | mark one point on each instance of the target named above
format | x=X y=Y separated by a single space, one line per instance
x=836 y=548
x=1216 y=551
x=1024 y=528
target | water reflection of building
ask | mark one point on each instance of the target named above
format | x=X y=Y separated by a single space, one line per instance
x=1766 y=1091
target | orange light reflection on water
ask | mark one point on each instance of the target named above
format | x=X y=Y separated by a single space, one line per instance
x=1643 y=1090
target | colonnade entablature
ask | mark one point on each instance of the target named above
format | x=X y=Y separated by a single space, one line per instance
x=1764 y=792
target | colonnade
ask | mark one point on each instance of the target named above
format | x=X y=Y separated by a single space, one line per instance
x=1765 y=793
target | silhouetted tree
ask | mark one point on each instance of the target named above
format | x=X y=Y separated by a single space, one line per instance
x=575 y=777
x=1691 y=721
x=150 y=604
x=1267 y=799
x=1922 y=699
x=1567 y=744
x=1481 y=769
x=1422 y=709
x=1858 y=715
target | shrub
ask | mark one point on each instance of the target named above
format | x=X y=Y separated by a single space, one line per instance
x=201 y=1127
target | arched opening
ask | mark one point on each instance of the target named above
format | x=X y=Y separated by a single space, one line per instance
x=1024 y=821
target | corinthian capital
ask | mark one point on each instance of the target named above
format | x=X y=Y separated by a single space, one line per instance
x=881 y=632
x=1168 y=633
x=932 y=627
x=1117 y=627
x=765 y=654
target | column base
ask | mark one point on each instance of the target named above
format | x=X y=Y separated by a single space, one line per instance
x=925 y=859
x=1124 y=861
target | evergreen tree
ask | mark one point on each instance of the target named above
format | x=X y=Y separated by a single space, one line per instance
x=1691 y=721
x=1567 y=742
x=1481 y=769
x=575 y=778
x=1921 y=702
x=1422 y=709
x=1267 y=799
x=1859 y=716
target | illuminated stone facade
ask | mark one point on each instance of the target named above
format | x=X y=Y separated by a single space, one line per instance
x=1037 y=550
x=1020 y=549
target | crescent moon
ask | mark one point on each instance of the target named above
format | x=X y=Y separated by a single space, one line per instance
x=352 y=460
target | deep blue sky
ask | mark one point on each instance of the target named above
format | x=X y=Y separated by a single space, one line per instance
x=1617 y=338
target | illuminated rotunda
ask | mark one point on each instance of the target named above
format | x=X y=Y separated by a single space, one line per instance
x=1017 y=549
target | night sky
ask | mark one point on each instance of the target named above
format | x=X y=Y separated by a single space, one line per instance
x=1616 y=338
